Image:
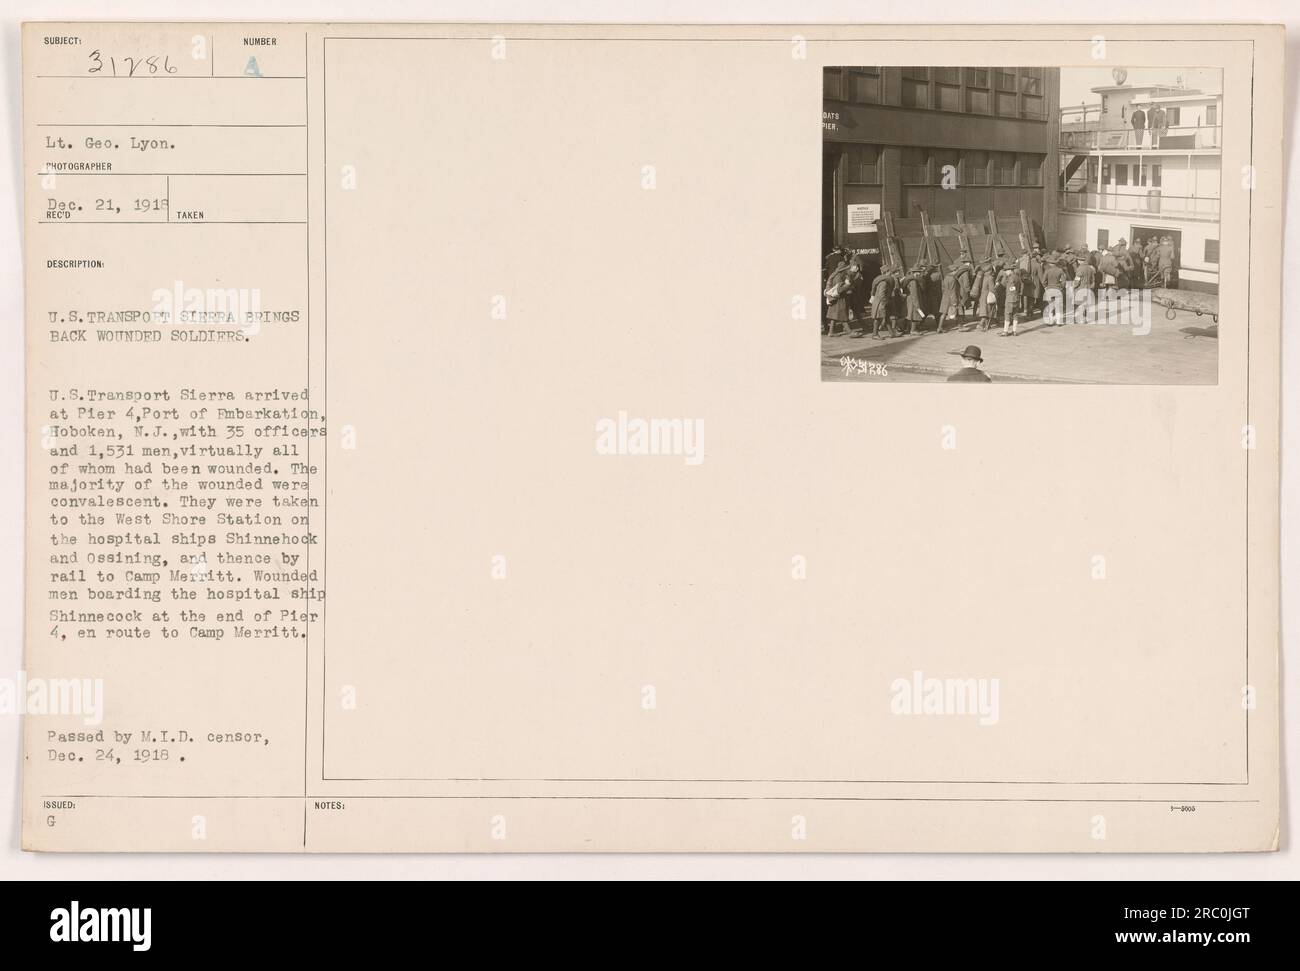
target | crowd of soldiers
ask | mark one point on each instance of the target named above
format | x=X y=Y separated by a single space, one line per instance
x=973 y=294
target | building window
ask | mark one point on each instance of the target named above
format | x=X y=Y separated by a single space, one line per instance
x=1006 y=104
x=914 y=169
x=1031 y=81
x=832 y=83
x=862 y=165
x=947 y=75
x=1005 y=80
x=1031 y=169
x=1121 y=173
x=864 y=85
x=1172 y=117
x=1211 y=251
x=1155 y=174
x=1033 y=107
x=1103 y=238
x=1211 y=115
x=1105 y=173
x=1004 y=168
x=975 y=167
x=916 y=94
x=948 y=97
x=977 y=102
x=977 y=77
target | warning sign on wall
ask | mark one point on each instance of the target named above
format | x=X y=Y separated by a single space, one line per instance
x=862 y=217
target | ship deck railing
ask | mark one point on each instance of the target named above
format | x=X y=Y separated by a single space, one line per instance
x=1089 y=137
x=1140 y=200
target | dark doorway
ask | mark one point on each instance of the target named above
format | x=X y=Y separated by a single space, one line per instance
x=830 y=162
x=1140 y=234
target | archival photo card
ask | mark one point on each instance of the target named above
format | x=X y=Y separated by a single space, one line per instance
x=431 y=446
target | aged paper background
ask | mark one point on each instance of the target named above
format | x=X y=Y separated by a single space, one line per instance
x=522 y=698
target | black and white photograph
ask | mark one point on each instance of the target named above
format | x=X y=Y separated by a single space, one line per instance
x=1040 y=225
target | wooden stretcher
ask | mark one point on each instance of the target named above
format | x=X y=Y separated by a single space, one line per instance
x=1193 y=300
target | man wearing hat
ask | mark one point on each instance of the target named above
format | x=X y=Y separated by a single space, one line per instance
x=970 y=367
x=1085 y=280
x=1012 y=298
x=838 y=293
x=951 y=301
x=1139 y=122
x=1030 y=266
x=977 y=285
x=1165 y=259
x=990 y=297
x=882 y=304
x=836 y=260
x=1054 y=287
x=1158 y=123
x=1129 y=265
x=1149 y=255
x=913 y=283
x=964 y=273
x=1108 y=267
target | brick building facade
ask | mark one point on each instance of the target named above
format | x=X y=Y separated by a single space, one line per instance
x=889 y=134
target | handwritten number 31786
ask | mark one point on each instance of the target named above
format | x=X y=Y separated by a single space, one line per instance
x=133 y=66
